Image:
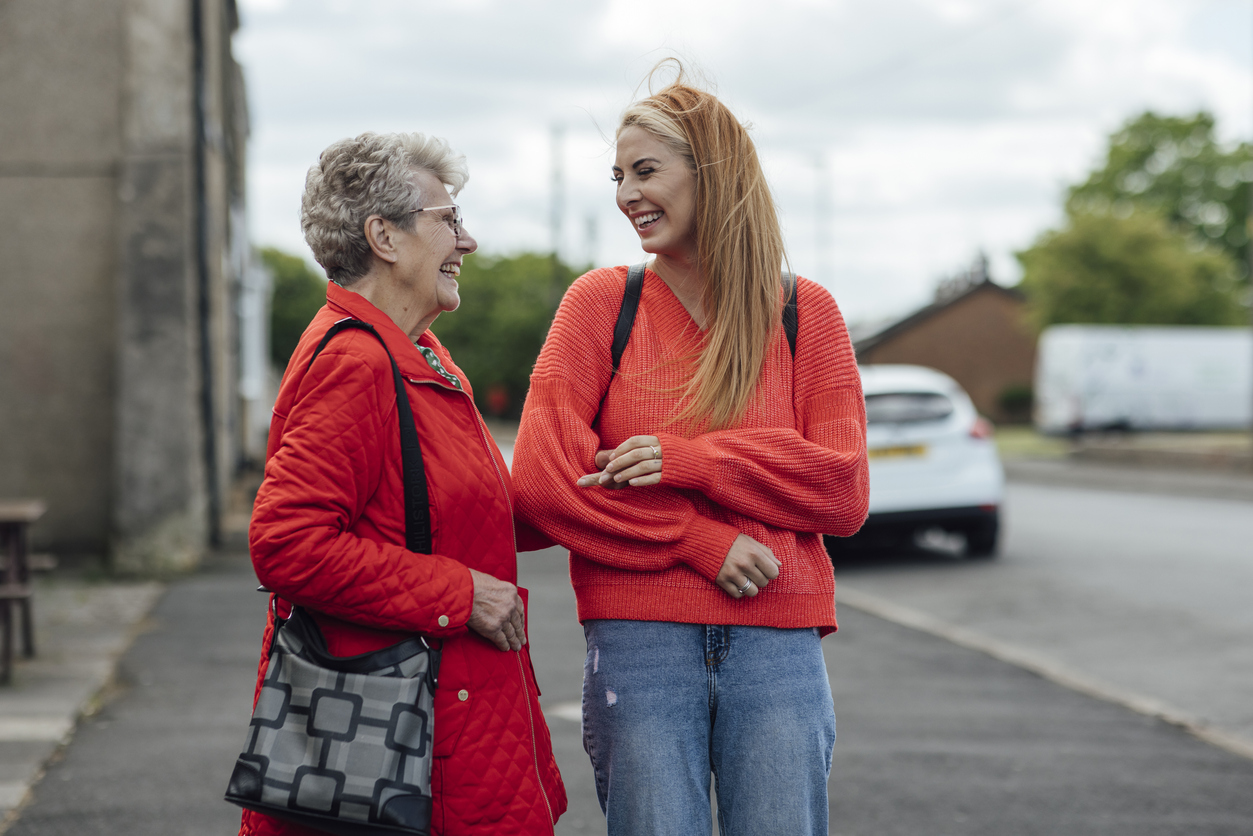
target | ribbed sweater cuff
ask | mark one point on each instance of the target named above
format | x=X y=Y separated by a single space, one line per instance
x=705 y=546
x=685 y=463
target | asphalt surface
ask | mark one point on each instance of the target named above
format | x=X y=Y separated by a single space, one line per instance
x=1146 y=593
x=156 y=757
x=934 y=738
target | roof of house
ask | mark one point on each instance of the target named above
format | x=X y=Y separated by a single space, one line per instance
x=947 y=295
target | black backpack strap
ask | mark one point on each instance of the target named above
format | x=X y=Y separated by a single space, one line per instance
x=626 y=314
x=789 y=311
x=626 y=321
x=417 y=501
x=631 y=303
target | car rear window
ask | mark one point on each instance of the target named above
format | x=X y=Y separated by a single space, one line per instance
x=907 y=407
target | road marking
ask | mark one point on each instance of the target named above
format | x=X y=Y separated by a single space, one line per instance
x=572 y=711
x=12 y=793
x=19 y=729
x=1043 y=666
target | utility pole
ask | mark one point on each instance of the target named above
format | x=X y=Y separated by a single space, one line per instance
x=822 y=219
x=556 y=209
x=591 y=238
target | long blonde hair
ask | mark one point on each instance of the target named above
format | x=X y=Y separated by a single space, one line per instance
x=739 y=245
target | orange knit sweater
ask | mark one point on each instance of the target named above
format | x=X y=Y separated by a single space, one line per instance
x=794 y=468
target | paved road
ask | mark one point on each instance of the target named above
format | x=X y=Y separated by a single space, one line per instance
x=938 y=739
x=1147 y=593
x=934 y=738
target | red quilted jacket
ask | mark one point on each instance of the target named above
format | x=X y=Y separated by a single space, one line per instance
x=328 y=534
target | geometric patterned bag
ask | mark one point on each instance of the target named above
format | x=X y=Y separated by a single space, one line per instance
x=341 y=744
x=344 y=744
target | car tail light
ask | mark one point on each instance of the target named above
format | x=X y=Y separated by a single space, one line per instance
x=982 y=428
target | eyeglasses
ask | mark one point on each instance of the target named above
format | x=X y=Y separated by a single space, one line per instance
x=454 y=220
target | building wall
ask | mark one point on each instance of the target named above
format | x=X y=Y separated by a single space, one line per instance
x=110 y=324
x=61 y=68
x=981 y=340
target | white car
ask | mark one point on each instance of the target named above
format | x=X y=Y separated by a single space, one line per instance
x=933 y=461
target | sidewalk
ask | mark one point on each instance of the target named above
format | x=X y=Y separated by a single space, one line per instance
x=81 y=628
x=1214 y=452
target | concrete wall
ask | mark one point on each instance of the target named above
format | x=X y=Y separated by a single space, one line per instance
x=110 y=321
x=981 y=340
x=61 y=67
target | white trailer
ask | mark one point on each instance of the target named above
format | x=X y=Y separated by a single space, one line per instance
x=1143 y=377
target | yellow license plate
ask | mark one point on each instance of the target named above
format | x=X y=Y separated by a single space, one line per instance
x=901 y=452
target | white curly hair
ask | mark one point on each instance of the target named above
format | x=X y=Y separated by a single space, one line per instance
x=371 y=174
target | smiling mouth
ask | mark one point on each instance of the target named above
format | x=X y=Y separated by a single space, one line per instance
x=644 y=222
x=451 y=270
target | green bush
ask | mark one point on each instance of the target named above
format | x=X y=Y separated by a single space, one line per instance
x=299 y=292
x=1016 y=401
x=1132 y=270
x=507 y=304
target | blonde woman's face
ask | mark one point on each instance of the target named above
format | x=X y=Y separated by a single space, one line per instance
x=657 y=193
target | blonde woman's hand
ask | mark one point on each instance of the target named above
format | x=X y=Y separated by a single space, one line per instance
x=636 y=462
x=748 y=567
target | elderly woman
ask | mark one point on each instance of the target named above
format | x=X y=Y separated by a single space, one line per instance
x=692 y=470
x=328 y=528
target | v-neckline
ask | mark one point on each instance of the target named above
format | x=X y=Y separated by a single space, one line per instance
x=672 y=317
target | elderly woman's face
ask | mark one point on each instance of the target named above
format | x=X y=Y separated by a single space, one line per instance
x=431 y=253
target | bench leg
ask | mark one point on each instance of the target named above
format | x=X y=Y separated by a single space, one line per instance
x=6 y=642
x=28 y=629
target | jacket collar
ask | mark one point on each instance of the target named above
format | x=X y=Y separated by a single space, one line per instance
x=412 y=362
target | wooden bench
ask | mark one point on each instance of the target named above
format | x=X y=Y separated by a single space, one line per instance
x=16 y=517
x=36 y=563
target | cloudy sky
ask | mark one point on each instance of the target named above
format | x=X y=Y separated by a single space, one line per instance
x=901 y=137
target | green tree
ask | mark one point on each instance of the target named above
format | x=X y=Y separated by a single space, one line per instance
x=1176 y=167
x=1132 y=269
x=507 y=304
x=298 y=294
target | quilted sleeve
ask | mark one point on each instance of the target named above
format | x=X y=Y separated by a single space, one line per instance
x=814 y=478
x=323 y=472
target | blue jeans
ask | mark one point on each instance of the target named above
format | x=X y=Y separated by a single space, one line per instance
x=665 y=704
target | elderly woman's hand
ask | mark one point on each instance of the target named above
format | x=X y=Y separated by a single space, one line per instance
x=636 y=462
x=497 y=614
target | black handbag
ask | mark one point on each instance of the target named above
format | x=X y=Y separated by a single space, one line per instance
x=344 y=744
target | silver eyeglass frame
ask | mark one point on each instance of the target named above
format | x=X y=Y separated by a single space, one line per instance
x=457 y=220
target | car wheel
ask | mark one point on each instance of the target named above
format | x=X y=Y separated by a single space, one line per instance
x=981 y=538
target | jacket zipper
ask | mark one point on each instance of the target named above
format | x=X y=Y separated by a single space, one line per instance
x=526 y=691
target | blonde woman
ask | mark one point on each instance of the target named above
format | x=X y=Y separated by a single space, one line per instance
x=693 y=485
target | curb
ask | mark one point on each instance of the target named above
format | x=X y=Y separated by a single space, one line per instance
x=1228 y=461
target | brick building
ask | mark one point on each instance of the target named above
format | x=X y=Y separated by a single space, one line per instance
x=975 y=332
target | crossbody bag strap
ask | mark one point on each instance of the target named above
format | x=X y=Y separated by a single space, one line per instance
x=417 y=500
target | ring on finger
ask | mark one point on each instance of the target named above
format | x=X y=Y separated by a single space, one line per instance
x=656 y=452
x=743 y=589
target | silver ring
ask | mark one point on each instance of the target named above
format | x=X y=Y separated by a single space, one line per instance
x=656 y=452
x=745 y=587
